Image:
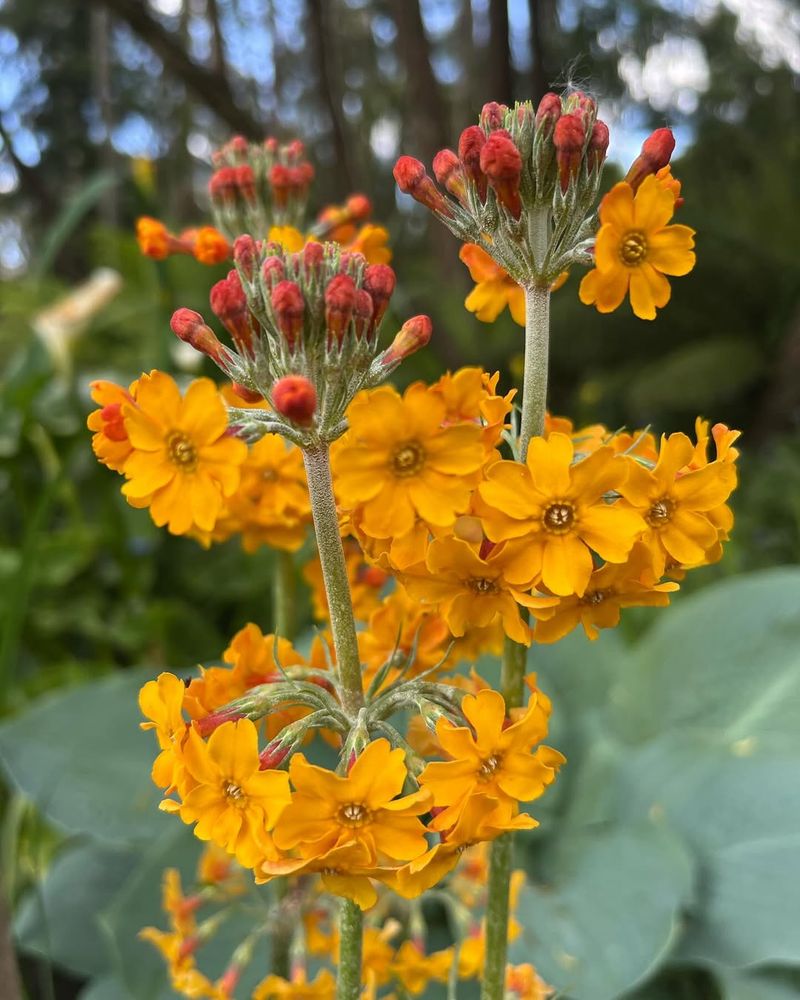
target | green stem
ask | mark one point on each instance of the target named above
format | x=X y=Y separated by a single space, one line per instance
x=494 y=969
x=334 y=572
x=534 y=380
x=282 y=933
x=284 y=592
x=348 y=984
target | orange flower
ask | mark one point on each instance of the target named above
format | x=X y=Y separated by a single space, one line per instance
x=184 y=462
x=491 y=758
x=560 y=511
x=523 y=983
x=234 y=803
x=635 y=248
x=276 y=988
x=346 y=870
x=470 y=590
x=414 y=969
x=494 y=289
x=161 y=702
x=110 y=439
x=471 y=394
x=154 y=238
x=371 y=241
x=329 y=811
x=677 y=505
x=181 y=909
x=398 y=462
x=210 y=246
x=610 y=588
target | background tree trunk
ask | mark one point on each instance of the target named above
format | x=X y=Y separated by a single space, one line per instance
x=499 y=76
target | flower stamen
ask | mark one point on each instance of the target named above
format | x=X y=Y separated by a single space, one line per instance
x=182 y=451
x=408 y=459
x=660 y=513
x=559 y=518
x=633 y=249
x=354 y=814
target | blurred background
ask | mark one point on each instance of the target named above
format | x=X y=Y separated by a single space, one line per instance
x=110 y=109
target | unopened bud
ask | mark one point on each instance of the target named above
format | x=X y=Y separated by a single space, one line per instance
x=238 y=146
x=190 y=327
x=313 y=256
x=362 y=313
x=222 y=186
x=414 y=334
x=229 y=305
x=295 y=150
x=281 y=183
x=295 y=398
x=656 y=152
x=548 y=112
x=470 y=143
x=206 y=726
x=271 y=144
x=358 y=207
x=412 y=178
x=493 y=115
x=568 y=138
x=449 y=173
x=379 y=280
x=246 y=182
x=502 y=164
x=245 y=254
x=272 y=271
x=598 y=145
x=248 y=395
x=340 y=300
x=273 y=755
x=289 y=306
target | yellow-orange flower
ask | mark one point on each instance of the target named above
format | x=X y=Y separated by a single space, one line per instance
x=290 y=239
x=234 y=803
x=677 y=505
x=414 y=969
x=471 y=394
x=181 y=909
x=209 y=246
x=346 y=870
x=110 y=439
x=560 y=511
x=494 y=287
x=276 y=988
x=184 y=462
x=329 y=811
x=161 y=702
x=635 y=248
x=398 y=463
x=491 y=758
x=371 y=241
x=473 y=590
x=154 y=238
x=524 y=983
x=366 y=582
x=611 y=587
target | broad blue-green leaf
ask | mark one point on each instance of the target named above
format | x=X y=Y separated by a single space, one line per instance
x=58 y=918
x=759 y=984
x=612 y=914
x=105 y=988
x=80 y=756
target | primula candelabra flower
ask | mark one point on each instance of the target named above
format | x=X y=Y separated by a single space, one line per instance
x=305 y=327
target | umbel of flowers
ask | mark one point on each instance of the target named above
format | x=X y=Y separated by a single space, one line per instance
x=469 y=525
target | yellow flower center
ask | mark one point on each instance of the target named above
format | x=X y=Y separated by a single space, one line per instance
x=181 y=451
x=354 y=814
x=660 y=513
x=488 y=766
x=633 y=249
x=594 y=597
x=559 y=518
x=482 y=586
x=234 y=792
x=408 y=459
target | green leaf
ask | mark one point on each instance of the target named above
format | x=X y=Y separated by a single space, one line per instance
x=58 y=919
x=612 y=913
x=105 y=988
x=80 y=756
x=760 y=984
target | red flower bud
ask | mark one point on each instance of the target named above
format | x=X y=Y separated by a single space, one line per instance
x=358 y=207
x=340 y=300
x=206 y=726
x=229 y=305
x=449 y=173
x=272 y=271
x=281 y=184
x=379 y=280
x=502 y=164
x=289 y=306
x=656 y=152
x=222 y=186
x=414 y=334
x=191 y=328
x=583 y=106
x=295 y=398
x=295 y=150
x=413 y=179
x=238 y=145
x=273 y=755
x=548 y=112
x=470 y=143
x=362 y=312
x=313 y=256
x=246 y=182
x=598 y=145
x=245 y=252
x=271 y=144
x=493 y=115
x=568 y=138
x=248 y=395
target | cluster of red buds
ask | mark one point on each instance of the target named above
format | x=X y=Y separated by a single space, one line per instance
x=258 y=185
x=522 y=184
x=305 y=330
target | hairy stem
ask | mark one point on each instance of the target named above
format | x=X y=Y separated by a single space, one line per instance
x=494 y=970
x=334 y=573
x=537 y=349
x=348 y=986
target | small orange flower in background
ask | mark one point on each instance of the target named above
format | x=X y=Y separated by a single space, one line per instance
x=635 y=248
x=110 y=439
x=371 y=241
x=323 y=987
x=414 y=969
x=184 y=462
x=559 y=510
x=494 y=288
x=523 y=983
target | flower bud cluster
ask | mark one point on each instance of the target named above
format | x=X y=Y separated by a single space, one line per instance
x=305 y=331
x=522 y=184
x=258 y=185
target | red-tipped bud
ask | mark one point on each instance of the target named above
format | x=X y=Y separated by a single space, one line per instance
x=379 y=281
x=362 y=313
x=449 y=173
x=568 y=138
x=351 y=260
x=412 y=178
x=295 y=398
x=598 y=145
x=238 y=145
x=470 y=143
x=191 y=328
x=248 y=395
x=289 y=306
x=295 y=150
x=340 y=300
x=271 y=144
x=548 y=112
x=493 y=115
x=359 y=207
x=273 y=755
x=272 y=271
x=656 y=152
x=229 y=305
x=313 y=256
x=206 y=726
x=222 y=186
x=281 y=184
x=300 y=177
x=502 y=164
x=583 y=106
x=246 y=182
x=414 y=334
x=113 y=422
x=245 y=253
